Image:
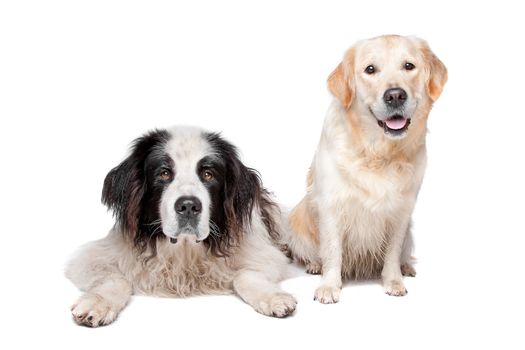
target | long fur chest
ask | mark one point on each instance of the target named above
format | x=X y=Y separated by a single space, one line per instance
x=378 y=184
x=378 y=194
x=365 y=236
x=182 y=270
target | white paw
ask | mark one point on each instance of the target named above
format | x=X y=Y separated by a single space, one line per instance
x=276 y=305
x=327 y=294
x=395 y=288
x=92 y=310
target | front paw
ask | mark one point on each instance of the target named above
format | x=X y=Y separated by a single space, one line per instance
x=327 y=294
x=276 y=305
x=93 y=310
x=395 y=288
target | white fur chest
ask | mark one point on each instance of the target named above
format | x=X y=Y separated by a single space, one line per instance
x=181 y=270
x=379 y=184
x=379 y=174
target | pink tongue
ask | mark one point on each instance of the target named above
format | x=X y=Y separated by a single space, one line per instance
x=396 y=123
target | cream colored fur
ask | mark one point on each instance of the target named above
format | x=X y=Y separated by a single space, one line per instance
x=354 y=221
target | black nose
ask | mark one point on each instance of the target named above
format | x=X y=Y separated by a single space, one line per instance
x=188 y=206
x=395 y=97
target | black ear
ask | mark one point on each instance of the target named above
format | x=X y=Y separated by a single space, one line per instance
x=123 y=190
x=243 y=192
x=125 y=185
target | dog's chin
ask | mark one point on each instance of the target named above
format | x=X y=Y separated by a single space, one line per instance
x=187 y=234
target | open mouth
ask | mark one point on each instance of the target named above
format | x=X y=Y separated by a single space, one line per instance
x=394 y=125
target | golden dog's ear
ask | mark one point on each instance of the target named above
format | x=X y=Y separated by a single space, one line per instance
x=341 y=80
x=436 y=72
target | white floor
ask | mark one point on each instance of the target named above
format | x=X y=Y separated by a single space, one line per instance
x=442 y=310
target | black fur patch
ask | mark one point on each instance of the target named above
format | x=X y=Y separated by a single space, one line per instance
x=133 y=189
x=235 y=199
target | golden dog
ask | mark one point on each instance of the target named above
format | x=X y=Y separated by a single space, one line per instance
x=354 y=221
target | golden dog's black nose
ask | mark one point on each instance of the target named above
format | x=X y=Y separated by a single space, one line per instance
x=395 y=97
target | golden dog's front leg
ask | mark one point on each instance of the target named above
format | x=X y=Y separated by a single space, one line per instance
x=330 y=251
x=392 y=275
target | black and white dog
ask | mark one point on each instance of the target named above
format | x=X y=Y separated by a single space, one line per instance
x=190 y=219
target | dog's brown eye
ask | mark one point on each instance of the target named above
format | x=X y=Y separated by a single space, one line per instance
x=409 y=66
x=207 y=175
x=165 y=175
x=370 y=69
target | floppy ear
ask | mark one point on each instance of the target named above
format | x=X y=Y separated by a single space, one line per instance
x=436 y=72
x=123 y=190
x=125 y=185
x=242 y=190
x=341 y=80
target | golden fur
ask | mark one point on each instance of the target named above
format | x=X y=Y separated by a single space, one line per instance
x=362 y=185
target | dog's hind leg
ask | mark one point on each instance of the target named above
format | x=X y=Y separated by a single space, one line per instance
x=300 y=236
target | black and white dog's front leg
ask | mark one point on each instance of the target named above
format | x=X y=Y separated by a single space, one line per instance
x=263 y=294
x=102 y=301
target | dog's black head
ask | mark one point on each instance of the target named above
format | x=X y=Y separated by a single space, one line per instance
x=185 y=183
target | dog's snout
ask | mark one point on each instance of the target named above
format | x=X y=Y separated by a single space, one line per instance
x=188 y=206
x=395 y=97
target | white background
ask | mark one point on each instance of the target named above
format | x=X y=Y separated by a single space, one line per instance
x=80 y=80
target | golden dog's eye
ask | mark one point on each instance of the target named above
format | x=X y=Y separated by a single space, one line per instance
x=370 y=69
x=165 y=175
x=207 y=175
x=409 y=66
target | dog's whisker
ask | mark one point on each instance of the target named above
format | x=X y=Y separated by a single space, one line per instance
x=214 y=229
x=156 y=222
